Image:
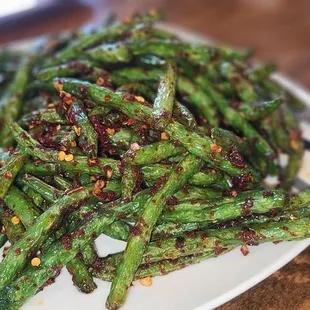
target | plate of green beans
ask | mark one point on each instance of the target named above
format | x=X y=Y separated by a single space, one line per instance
x=132 y=151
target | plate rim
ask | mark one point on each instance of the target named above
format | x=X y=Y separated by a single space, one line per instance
x=301 y=93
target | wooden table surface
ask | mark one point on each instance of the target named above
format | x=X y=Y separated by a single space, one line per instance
x=279 y=30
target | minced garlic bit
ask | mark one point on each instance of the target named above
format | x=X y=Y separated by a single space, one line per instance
x=164 y=136
x=77 y=130
x=91 y=161
x=15 y=220
x=58 y=86
x=69 y=157
x=109 y=173
x=61 y=156
x=110 y=131
x=215 y=148
x=135 y=147
x=146 y=281
x=51 y=105
x=100 y=81
x=35 y=262
x=140 y=99
x=99 y=185
x=66 y=97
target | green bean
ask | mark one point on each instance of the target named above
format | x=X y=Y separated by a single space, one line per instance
x=259 y=110
x=198 y=99
x=264 y=152
x=190 y=140
x=128 y=182
x=12 y=100
x=79 y=165
x=109 y=33
x=107 y=98
x=13 y=165
x=243 y=87
x=182 y=114
x=164 y=101
x=153 y=153
x=138 y=241
x=73 y=68
x=87 y=136
x=207 y=178
x=137 y=89
x=22 y=206
x=31 y=146
x=12 y=231
x=43 y=224
x=110 y=53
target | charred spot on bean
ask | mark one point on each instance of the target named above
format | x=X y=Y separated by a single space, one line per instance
x=267 y=194
x=246 y=206
x=179 y=243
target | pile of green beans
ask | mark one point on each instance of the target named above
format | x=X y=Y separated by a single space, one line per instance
x=131 y=133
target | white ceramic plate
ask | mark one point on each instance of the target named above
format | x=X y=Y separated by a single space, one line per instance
x=200 y=287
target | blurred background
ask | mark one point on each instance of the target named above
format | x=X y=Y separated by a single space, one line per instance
x=277 y=29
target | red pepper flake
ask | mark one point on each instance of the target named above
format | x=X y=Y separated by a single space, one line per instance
x=215 y=148
x=136 y=230
x=162 y=269
x=107 y=98
x=248 y=236
x=172 y=201
x=241 y=180
x=17 y=252
x=66 y=242
x=79 y=233
x=246 y=206
x=267 y=194
x=8 y=175
x=179 y=170
x=185 y=189
x=131 y=121
x=218 y=249
x=236 y=158
x=235 y=105
x=244 y=250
